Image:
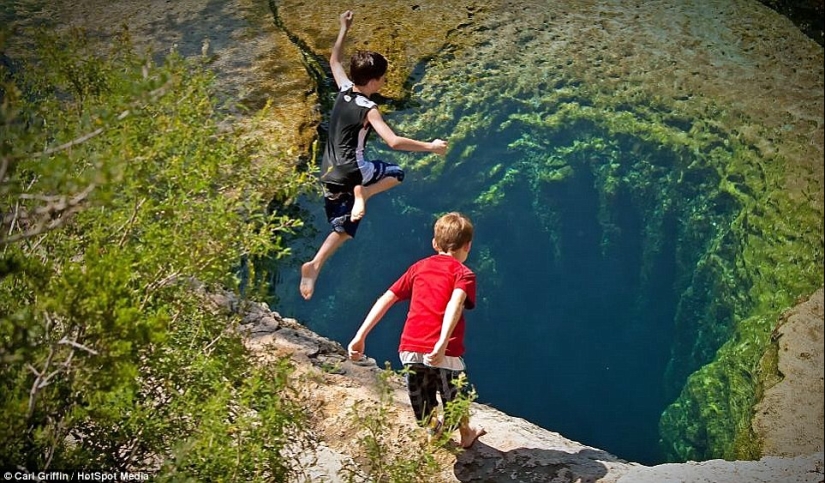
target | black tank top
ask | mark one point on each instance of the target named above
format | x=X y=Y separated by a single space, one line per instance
x=348 y=133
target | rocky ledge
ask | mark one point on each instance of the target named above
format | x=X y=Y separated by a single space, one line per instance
x=789 y=420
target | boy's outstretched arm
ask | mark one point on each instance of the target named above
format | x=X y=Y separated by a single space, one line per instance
x=451 y=316
x=338 y=72
x=437 y=146
x=376 y=313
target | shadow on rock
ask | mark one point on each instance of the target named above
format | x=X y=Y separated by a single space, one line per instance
x=483 y=463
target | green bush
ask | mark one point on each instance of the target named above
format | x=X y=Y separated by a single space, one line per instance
x=119 y=193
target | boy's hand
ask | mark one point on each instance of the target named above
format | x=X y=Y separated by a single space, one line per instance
x=436 y=356
x=346 y=19
x=355 y=349
x=438 y=146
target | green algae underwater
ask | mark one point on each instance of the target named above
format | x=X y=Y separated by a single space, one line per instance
x=636 y=239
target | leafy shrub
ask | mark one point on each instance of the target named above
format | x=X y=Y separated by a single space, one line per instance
x=119 y=193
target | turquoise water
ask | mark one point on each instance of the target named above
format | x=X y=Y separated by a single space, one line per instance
x=588 y=231
x=568 y=333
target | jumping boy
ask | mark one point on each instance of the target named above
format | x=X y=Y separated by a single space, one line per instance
x=439 y=287
x=350 y=179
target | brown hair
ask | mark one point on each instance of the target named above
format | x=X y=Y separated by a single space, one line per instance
x=452 y=231
x=365 y=66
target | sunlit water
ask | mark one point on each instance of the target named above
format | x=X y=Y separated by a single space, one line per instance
x=561 y=335
x=566 y=344
x=577 y=234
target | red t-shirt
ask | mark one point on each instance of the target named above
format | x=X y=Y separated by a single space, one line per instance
x=429 y=284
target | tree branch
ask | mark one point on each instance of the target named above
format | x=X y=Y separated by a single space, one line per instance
x=131 y=221
x=59 y=204
x=77 y=345
x=153 y=95
x=37 y=381
x=4 y=166
x=52 y=215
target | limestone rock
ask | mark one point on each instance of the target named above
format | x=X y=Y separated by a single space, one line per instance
x=789 y=419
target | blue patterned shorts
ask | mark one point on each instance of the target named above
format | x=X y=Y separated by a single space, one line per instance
x=338 y=204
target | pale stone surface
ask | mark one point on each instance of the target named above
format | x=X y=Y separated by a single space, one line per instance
x=770 y=469
x=517 y=450
x=796 y=428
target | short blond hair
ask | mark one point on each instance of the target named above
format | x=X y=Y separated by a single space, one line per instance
x=452 y=231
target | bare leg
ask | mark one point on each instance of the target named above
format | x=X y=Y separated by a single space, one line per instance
x=363 y=193
x=311 y=269
x=359 y=204
x=469 y=434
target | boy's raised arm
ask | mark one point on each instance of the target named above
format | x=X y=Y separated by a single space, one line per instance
x=338 y=72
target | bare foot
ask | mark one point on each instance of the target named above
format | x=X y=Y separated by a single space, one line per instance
x=359 y=209
x=308 y=276
x=470 y=434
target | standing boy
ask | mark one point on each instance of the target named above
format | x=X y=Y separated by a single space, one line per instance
x=349 y=178
x=439 y=287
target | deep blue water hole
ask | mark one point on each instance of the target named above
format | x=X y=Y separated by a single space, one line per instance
x=569 y=332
